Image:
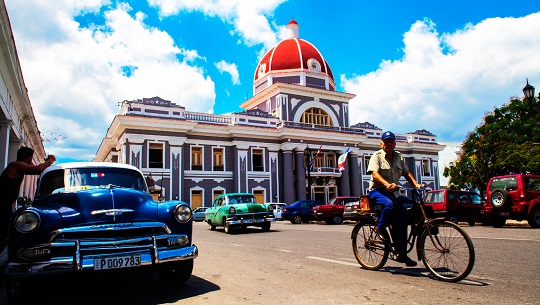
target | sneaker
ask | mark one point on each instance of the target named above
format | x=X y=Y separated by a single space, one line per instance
x=405 y=259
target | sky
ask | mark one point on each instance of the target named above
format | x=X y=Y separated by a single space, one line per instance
x=433 y=65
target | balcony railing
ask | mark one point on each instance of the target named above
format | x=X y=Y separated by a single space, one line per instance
x=319 y=127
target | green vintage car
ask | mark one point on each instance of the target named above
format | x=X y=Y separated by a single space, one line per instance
x=237 y=211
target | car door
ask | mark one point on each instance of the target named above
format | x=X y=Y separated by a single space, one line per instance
x=466 y=209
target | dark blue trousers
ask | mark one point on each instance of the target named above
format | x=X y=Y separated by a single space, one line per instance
x=393 y=216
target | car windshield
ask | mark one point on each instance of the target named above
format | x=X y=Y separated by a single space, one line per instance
x=507 y=183
x=434 y=197
x=71 y=180
x=242 y=199
x=476 y=199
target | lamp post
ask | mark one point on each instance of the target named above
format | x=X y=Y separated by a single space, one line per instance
x=307 y=153
x=528 y=91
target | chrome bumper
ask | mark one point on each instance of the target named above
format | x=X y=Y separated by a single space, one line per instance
x=250 y=221
x=80 y=262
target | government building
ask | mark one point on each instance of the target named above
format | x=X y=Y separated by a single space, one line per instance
x=283 y=147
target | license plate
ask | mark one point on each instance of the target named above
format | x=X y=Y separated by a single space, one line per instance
x=507 y=214
x=252 y=220
x=116 y=262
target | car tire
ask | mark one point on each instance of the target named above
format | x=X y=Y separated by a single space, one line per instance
x=175 y=272
x=499 y=198
x=335 y=220
x=212 y=227
x=266 y=226
x=498 y=222
x=297 y=219
x=471 y=223
x=452 y=218
x=227 y=228
x=534 y=217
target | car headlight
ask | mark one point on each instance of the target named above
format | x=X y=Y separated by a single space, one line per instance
x=182 y=213
x=27 y=221
x=270 y=208
x=232 y=210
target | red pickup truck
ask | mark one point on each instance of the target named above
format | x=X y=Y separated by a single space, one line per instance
x=332 y=213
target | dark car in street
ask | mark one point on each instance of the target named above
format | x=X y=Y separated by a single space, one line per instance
x=300 y=211
x=457 y=205
x=95 y=217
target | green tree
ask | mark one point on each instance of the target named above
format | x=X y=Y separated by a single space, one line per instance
x=506 y=142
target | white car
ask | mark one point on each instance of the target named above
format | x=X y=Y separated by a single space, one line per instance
x=278 y=207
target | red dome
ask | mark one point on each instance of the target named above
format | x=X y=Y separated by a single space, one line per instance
x=292 y=54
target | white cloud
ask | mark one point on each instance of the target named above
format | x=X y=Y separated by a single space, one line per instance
x=445 y=83
x=77 y=75
x=232 y=69
x=247 y=16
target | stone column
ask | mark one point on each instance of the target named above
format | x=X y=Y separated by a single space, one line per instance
x=300 y=174
x=4 y=144
x=288 y=177
x=354 y=175
x=344 y=189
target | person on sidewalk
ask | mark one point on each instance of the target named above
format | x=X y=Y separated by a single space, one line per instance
x=10 y=184
x=386 y=166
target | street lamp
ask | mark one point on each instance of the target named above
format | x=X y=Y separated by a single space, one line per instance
x=307 y=153
x=528 y=91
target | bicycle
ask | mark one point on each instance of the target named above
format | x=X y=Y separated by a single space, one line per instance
x=444 y=248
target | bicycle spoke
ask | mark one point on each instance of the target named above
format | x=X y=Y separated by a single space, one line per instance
x=368 y=248
x=449 y=255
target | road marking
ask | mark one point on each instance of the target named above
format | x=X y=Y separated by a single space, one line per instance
x=286 y=251
x=332 y=261
x=506 y=238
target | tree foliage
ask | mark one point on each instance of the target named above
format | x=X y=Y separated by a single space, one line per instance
x=506 y=142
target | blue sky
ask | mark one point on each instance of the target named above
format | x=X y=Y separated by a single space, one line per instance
x=431 y=65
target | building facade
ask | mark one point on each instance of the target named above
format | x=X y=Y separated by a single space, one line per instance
x=283 y=147
x=18 y=126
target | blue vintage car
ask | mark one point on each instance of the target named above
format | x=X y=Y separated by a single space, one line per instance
x=238 y=211
x=90 y=216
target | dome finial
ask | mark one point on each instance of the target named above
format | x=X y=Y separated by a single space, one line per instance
x=292 y=29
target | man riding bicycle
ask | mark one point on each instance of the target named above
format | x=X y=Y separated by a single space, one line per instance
x=386 y=166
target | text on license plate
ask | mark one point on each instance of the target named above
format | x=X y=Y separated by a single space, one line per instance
x=116 y=262
x=252 y=220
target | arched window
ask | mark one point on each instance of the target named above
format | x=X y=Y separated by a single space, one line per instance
x=316 y=116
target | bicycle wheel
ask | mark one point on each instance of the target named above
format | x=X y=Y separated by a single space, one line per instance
x=450 y=256
x=369 y=249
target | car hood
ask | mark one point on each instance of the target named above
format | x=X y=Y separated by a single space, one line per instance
x=250 y=208
x=101 y=206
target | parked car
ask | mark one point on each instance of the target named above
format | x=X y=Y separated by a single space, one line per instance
x=300 y=211
x=513 y=197
x=239 y=210
x=90 y=217
x=278 y=210
x=198 y=213
x=350 y=212
x=457 y=205
x=332 y=213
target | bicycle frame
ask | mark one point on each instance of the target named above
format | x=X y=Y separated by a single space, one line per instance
x=424 y=224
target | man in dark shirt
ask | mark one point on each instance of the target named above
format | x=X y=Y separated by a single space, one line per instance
x=10 y=184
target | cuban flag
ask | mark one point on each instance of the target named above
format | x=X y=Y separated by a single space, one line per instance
x=341 y=160
x=312 y=162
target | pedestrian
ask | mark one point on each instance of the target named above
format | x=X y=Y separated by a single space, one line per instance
x=386 y=166
x=10 y=184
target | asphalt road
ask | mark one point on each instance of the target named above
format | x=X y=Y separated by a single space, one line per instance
x=311 y=264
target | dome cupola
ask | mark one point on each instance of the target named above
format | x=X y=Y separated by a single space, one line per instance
x=294 y=61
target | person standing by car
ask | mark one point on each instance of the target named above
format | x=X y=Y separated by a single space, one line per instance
x=386 y=166
x=10 y=184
